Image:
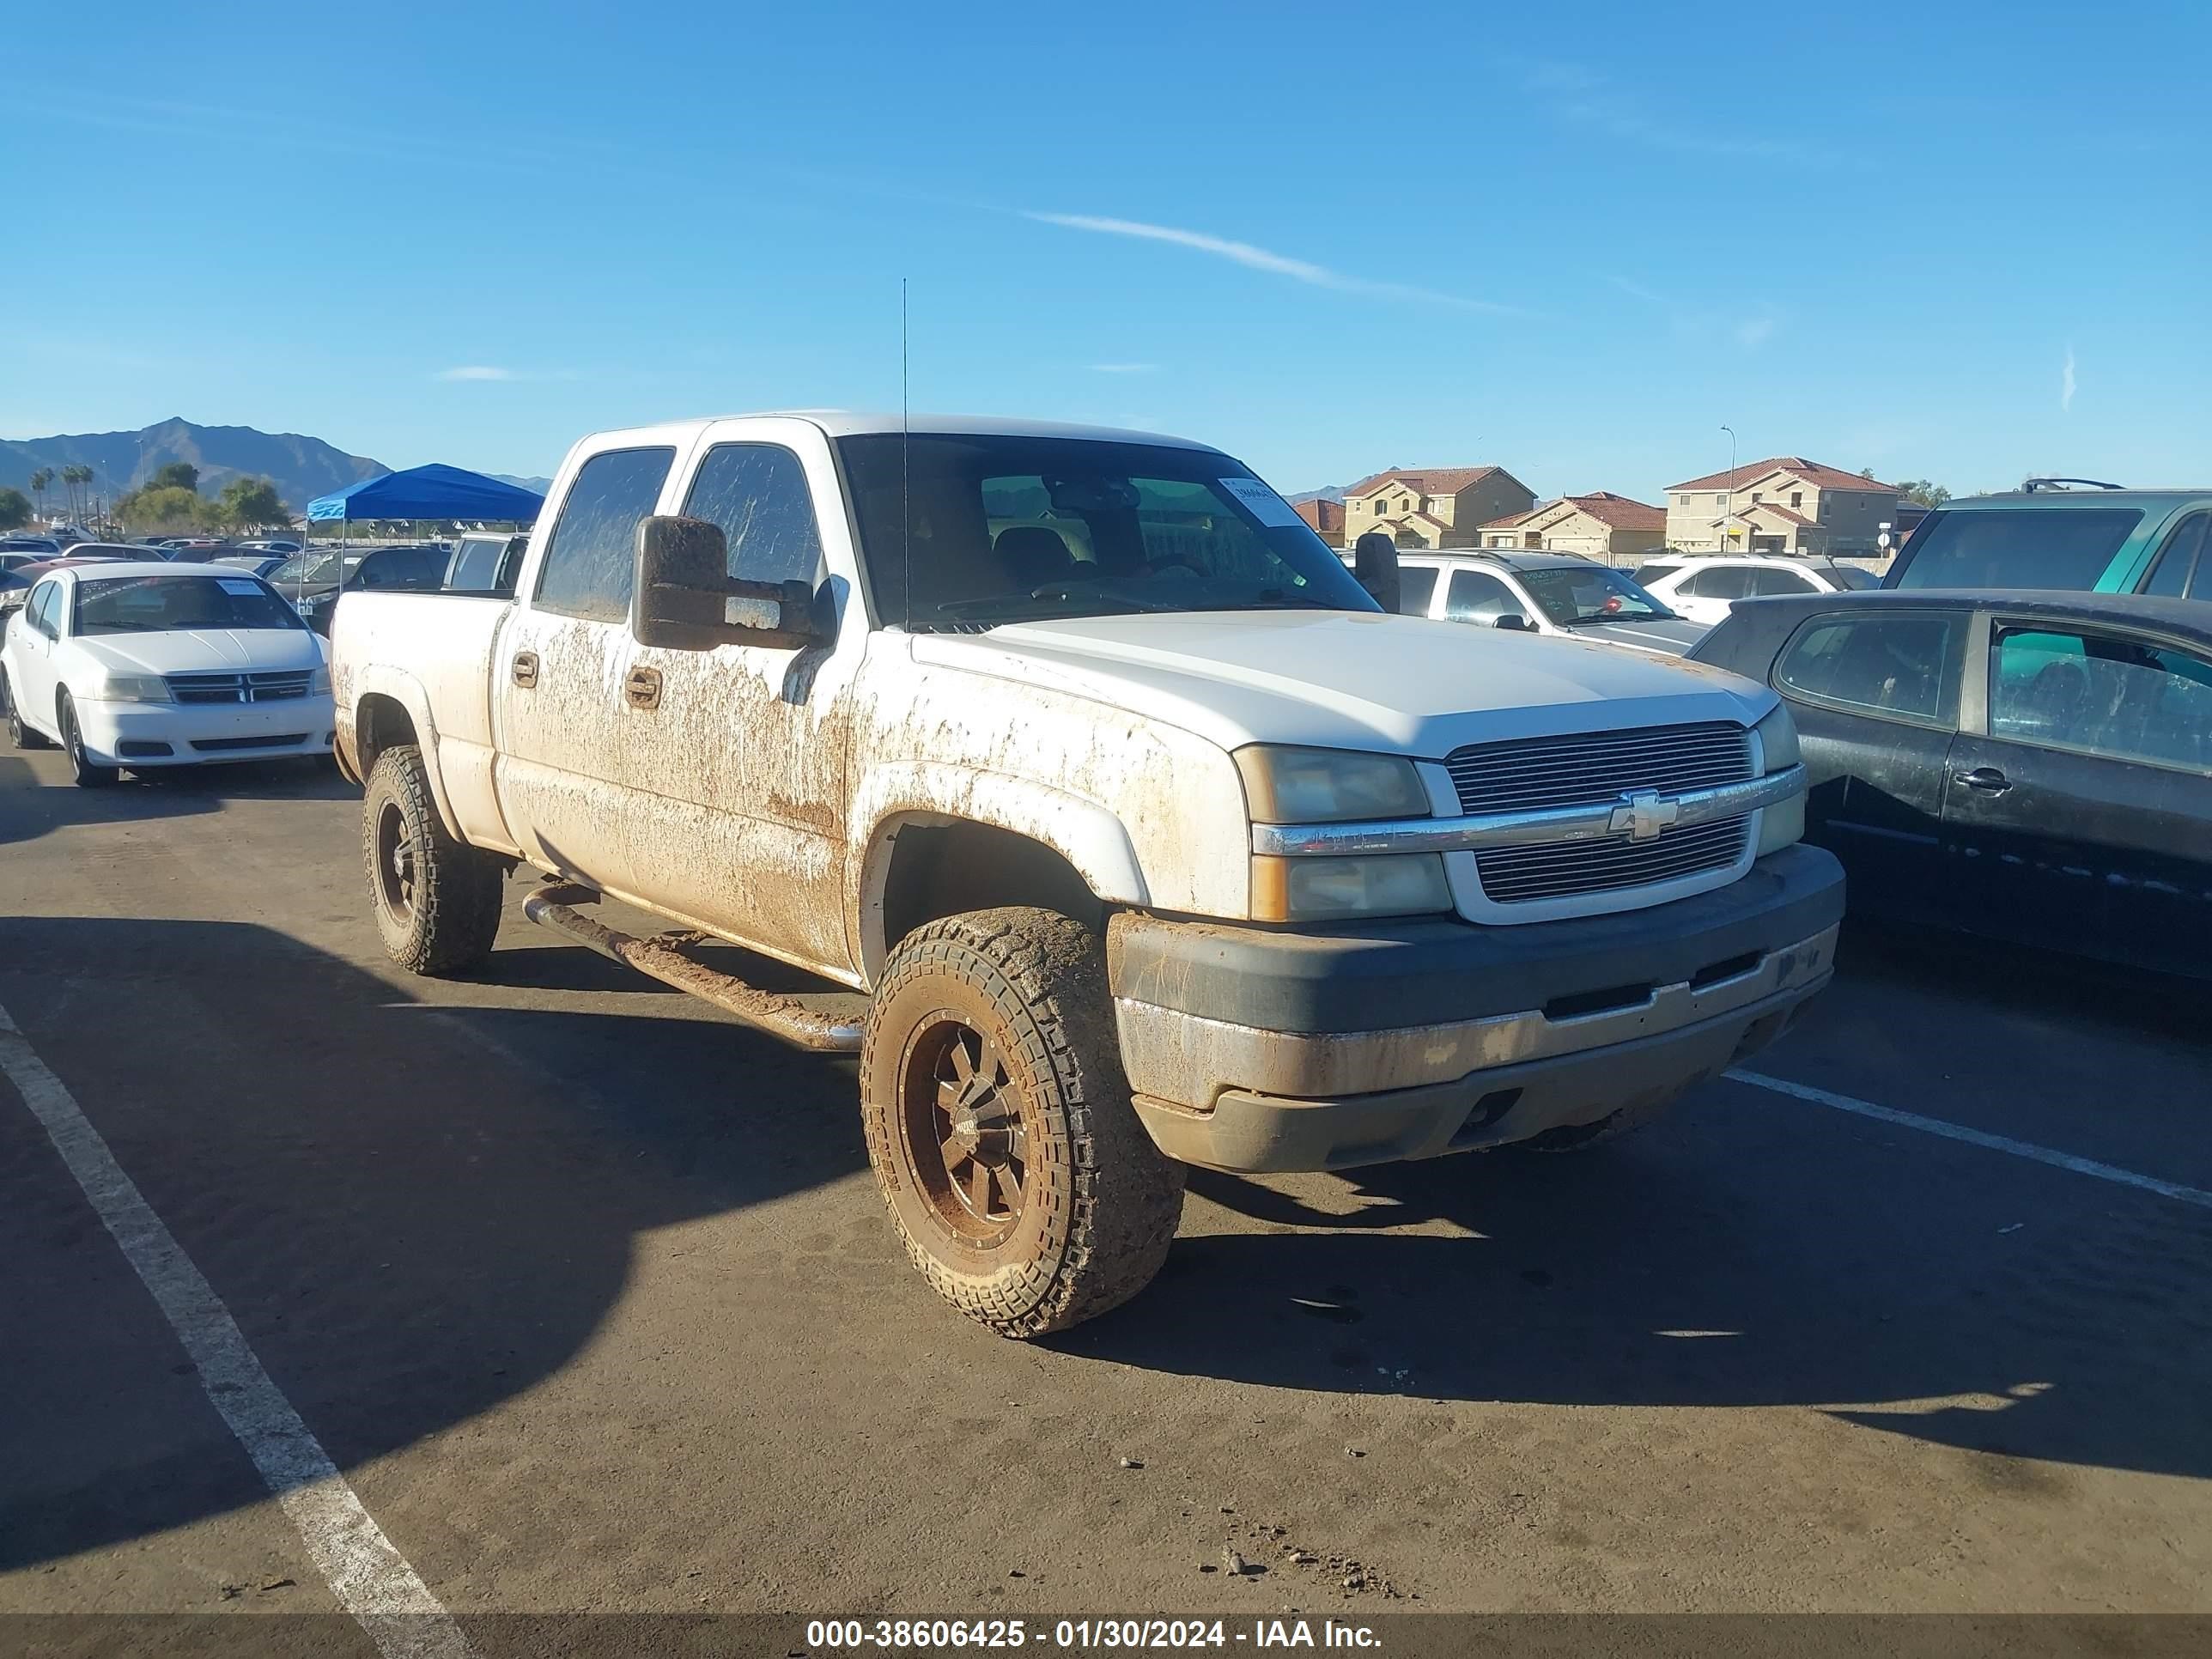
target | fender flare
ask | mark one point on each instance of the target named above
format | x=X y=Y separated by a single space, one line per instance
x=1085 y=833
x=381 y=680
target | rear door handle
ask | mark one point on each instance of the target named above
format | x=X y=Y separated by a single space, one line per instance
x=642 y=688
x=526 y=669
x=1987 y=779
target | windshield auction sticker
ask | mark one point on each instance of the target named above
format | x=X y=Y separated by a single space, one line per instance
x=1266 y=505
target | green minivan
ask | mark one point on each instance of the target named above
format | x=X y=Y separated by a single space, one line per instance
x=2065 y=533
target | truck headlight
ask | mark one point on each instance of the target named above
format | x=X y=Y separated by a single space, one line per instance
x=1328 y=786
x=1782 y=824
x=1336 y=890
x=1777 y=739
x=130 y=687
x=319 y=686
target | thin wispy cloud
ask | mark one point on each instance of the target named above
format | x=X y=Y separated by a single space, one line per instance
x=1753 y=333
x=1125 y=368
x=1584 y=96
x=2066 y=385
x=1749 y=330
x=1261 y=258
x=477 y=372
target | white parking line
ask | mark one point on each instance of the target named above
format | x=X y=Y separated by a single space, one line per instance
x=1937 y=1126
x=371 y=1579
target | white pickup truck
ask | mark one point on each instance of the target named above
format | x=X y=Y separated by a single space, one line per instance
x=1136 y=833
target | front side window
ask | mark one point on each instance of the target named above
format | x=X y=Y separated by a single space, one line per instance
x=1723 y=581
x=2015 y=547
x=1476 y=596
x=1571 y=595
x=2106 y=695
x=1898 y=667
x=1004 y=529
x=1771 y=580
x=43 y=606
x=590 y=561
x=158 y=605
x=1417 y=589
x=757 y=493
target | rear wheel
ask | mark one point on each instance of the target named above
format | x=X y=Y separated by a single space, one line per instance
x=18 y=731
x=1000 y=1126
x=89 y=774
x=436 y=899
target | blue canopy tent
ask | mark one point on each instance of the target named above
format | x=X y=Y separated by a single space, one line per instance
x=434 y=491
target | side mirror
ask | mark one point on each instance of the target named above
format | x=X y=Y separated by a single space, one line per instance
x=1514 y=622
x=685 y=593
x=1374 y=567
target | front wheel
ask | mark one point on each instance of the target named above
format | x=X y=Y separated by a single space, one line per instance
x=436 y=899
x=20 y=731
x=89 y=774
x=999 y=1126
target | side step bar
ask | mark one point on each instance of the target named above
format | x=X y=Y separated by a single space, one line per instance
x=780 y=1016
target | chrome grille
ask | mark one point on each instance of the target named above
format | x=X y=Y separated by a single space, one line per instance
x=1597 y=766
x=1590 y=767
x=278 y=685
x=1555 y=869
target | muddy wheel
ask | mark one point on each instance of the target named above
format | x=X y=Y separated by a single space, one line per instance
x=436 y=899
x=18 y=733
x=1580 y=1137
x=999 y=1126
x=89 y=772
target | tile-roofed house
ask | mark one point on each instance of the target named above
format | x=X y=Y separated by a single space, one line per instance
x=1600 y=525
x=1324 y=517
x=1808 y=507
x=1432 y=506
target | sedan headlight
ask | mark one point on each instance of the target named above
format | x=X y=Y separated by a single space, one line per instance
x=1782 y=824
x=319 y=686
x=1328 y=786
x=130 y=687
x=1337 y=890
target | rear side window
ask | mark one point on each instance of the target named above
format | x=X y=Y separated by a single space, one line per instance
x=590 y=561
x=1476 y=596
x=2181 y=568
x=2104 y=694
x=1895 y=667
x=1417 y=589
x=1644 y=575
x=2061 y=547
x=1726 y=582
x=758 y=494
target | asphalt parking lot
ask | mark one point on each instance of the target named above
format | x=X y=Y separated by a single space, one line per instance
x=588 y=1294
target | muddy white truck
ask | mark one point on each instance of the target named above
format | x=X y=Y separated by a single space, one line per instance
x=1123 y=829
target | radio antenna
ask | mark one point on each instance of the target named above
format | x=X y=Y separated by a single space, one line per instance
x=906 y=499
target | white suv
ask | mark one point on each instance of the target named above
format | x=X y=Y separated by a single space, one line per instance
x=1703 y=589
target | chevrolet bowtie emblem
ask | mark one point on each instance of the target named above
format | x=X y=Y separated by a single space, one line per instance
x=1641 y=815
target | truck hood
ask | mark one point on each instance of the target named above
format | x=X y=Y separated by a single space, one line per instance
x=203 y=650
x=1350 y=679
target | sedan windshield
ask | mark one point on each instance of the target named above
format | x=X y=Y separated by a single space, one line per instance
x=1574 y=594
x=1004 y=529
x=157 y=605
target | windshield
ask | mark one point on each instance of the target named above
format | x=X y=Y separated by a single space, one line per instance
x=2015 y=547
x=1007 y=529
x=1577 y=594
x=156 y=604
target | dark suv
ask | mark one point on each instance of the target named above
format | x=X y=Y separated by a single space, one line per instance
x=2065 y=533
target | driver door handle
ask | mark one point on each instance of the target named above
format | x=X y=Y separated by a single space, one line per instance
x=1986 y=779
x=526 y=669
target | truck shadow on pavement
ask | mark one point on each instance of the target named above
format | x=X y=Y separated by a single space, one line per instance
x=413 y=1213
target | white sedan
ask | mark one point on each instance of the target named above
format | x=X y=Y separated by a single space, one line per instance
x=149 y=665
x=1705 y=589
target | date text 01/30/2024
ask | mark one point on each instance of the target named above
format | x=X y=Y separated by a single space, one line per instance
x=1082 y=1635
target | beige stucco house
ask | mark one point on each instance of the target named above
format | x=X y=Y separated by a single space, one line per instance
x=1786 y=504
x=1601 y=525
x=1432 y=506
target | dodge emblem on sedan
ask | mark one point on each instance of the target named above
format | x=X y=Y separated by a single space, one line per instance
x=1642 y=815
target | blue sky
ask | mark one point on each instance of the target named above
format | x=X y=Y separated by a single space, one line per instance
x=1961 y=241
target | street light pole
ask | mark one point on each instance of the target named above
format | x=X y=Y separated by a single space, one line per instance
x=1728 y=502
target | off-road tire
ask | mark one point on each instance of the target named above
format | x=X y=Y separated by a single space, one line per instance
x=20 y=731
x=452 y=914
x=89 y=774
x=1582 y=1137
x=1100 y=1202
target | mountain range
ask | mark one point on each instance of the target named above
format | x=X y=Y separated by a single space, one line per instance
x=301 y=467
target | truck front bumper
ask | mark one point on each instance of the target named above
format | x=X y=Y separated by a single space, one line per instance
x=1253 y=1048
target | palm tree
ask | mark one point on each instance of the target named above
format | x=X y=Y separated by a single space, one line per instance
x=73 y=477
x=41 y=481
